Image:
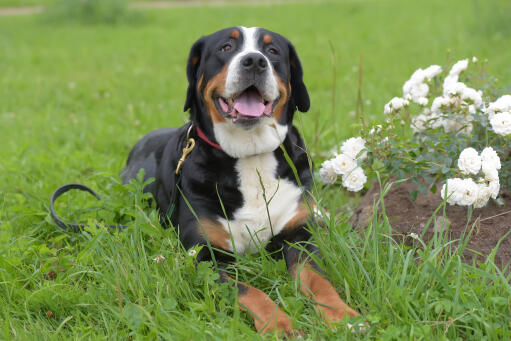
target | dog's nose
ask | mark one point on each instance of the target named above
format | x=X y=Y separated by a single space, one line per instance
x=254 y=62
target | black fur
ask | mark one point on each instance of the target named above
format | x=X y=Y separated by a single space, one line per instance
x=208 y=173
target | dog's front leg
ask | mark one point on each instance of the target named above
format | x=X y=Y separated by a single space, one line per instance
x=314 y=285
x=266 y=314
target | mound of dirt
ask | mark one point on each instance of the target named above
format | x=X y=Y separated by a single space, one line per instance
x=406 y=216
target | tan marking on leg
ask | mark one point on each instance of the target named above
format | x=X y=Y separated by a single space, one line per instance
x=235 y=34
x=267 y=39
x=299 y=219
x=215 y=233
x=329 y=305
x=215 y=85
x=266 y=314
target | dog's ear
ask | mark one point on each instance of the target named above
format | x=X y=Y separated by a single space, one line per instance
x=194 y=60
x=298 y=89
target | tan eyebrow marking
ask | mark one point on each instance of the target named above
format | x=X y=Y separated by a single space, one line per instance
x=235 y=34
x=267 y=39
x=195 y=60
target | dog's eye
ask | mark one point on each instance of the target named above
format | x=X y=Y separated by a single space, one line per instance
x=273 y=50
x=226 y=47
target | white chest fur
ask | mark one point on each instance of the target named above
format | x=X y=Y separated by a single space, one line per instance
x=268 y=203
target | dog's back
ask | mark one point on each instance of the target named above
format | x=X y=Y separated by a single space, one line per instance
x=147 y=154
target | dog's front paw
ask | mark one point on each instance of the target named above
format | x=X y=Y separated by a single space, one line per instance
x=335 y=314
x=279 y=322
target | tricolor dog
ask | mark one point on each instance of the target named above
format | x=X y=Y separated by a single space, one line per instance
x=245 y=85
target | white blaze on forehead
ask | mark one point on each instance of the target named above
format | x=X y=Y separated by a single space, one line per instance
x=233 y=79
x=249 y=39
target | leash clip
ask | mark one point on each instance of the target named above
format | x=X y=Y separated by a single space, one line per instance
x=190 y=143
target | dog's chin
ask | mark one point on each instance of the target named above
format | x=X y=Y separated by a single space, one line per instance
x=242 y=141
x=247 y=123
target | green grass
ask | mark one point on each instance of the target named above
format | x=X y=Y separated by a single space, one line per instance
x=75 y=98
x=18 y=3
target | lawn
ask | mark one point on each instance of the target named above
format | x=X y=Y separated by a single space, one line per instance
x=75 y=98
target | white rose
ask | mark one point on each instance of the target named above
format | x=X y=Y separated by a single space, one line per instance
x=352 y=147
x=494 y=187
x=454 y=73
x=469 y=192
x=473 y=95
x=354 y=181
x=490 y=174
x=440 y=102
x=395 y=104
x=415 y=90
x=419 y=123
x=452 y=190
x=415 y=79
x=432 y=71
x=490 y=159
x=501 y=123
x=459 y=67
x=500 y=105
x=469 y=161
x=342 y=164
x=422 y=101
x=327 y=172
x=419 y=91
x=449 y=80
x=483 y=195
x=457 y=88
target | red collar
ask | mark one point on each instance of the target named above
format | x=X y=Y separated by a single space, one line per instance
x=204 y=138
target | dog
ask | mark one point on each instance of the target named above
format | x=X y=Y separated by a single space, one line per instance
x=243 y=171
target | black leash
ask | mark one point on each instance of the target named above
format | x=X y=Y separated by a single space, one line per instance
x=170 y=216
x=73 y=227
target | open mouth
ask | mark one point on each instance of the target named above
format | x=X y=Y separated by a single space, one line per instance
x=246 y=106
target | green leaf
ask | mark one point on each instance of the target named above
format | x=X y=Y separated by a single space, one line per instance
x=133 y=315
x=413 y=194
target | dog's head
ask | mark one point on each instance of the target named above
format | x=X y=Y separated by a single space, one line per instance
x=245 y=85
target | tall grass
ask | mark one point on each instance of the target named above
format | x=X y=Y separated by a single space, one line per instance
x=74 y=100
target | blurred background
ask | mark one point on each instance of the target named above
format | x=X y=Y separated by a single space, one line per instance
x=82 y=80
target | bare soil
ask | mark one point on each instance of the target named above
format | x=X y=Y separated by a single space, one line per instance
x=490 y=223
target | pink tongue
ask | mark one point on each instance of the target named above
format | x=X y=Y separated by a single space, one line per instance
x=249 y=103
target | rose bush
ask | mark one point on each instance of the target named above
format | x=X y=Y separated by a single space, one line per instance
x=433 y=135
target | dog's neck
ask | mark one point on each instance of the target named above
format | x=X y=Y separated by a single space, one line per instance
x=240 y=143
